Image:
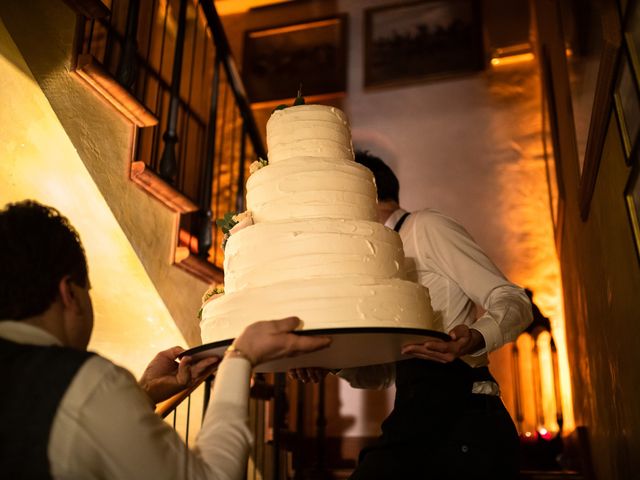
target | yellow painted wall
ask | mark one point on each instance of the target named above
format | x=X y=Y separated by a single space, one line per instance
x=38 y=161
x=103 y=139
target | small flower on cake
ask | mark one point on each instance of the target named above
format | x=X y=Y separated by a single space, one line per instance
x=213 y=292
x=242 y=220
x=233 y=222
x=257 y=165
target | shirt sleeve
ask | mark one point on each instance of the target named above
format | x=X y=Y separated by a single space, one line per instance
x=105 y=428
x=460 y=258
x=225 y=439
x=508 y=313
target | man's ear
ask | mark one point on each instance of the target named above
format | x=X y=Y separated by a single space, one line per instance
x=66 y=292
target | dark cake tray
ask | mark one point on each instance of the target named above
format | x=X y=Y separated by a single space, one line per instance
x=350 y=347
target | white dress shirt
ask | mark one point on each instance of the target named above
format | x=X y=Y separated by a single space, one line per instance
x=443 y=257
x=105 y=426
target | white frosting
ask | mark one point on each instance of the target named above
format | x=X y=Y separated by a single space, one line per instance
x=320 y=303
x=269 y=253
x=308 y=131
x=315 y=249
x=305 y=187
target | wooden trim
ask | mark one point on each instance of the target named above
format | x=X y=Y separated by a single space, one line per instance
x=602 y=105
x=97 y=77
x=89 y=8
x=154 y=185
x=197 y=267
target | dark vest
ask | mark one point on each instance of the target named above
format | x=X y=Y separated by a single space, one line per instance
x=34 y=380
x=429 y=394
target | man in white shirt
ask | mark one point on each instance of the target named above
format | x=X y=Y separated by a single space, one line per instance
x=448 y=421
x=68 y=413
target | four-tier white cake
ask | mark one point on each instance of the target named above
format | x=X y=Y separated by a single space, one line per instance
x=315 y=249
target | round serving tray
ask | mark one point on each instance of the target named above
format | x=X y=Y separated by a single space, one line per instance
x=350 y=347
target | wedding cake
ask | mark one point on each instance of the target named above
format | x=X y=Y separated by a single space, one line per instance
x=309 y=244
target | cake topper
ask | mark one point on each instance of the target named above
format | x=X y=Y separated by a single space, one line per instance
x=299 y=100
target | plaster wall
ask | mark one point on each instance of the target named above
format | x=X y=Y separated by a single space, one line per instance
x=38 y=161
x=103 y=139
x=469 y=147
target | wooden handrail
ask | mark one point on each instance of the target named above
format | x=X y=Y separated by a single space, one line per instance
x=165 y=408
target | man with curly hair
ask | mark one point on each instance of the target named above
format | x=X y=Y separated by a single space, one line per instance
x=69 y=413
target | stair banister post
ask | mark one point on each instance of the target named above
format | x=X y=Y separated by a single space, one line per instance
x=205 y=234
x=127 y=66
x=556 y=386
x=515 y=366
x=240 y=202
x=168 y=162
x=279 y=422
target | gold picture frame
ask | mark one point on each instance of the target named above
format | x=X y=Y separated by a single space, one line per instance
x=551 y=147
x=422 y=40
x=632 y=199
x=627 y=106
x=277 y=60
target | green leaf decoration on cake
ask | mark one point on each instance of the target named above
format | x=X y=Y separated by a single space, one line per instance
x=299 y=100
x=227 y=222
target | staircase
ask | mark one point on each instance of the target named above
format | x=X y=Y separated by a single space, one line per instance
x=148 y=94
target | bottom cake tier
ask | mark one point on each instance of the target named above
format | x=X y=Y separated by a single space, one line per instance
x=321 y=304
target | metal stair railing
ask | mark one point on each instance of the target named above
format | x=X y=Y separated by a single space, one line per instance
x=174 y=59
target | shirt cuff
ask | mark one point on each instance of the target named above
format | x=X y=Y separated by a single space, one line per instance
x=490 y=331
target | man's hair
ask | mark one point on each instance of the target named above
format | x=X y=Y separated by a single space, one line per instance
x=38 y=248
x=386 y=181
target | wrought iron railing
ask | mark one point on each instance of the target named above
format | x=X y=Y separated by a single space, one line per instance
x=167 y=65
x=174 y=59
x=185 y=411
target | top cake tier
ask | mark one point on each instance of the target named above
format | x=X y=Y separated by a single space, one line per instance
x=309 y=131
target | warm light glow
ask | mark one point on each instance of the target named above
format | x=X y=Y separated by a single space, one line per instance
x=295 y=28
x=512 y=54
x=547 y=384
x=229 y=7
x=511 y=59
x=39 y=162
x=524 y=210
x=527 y=385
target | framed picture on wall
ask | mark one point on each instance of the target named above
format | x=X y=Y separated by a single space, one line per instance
x=632 y=197
x=551 y=146
x=611 y=35
x=278 y=59
x=422 y=40
x=632 y=35
x=627 y=103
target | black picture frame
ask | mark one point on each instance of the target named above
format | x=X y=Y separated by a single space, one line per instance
x=280 y=58
x=422 y=40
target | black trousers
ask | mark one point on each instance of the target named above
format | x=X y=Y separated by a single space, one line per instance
x=440 y=430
